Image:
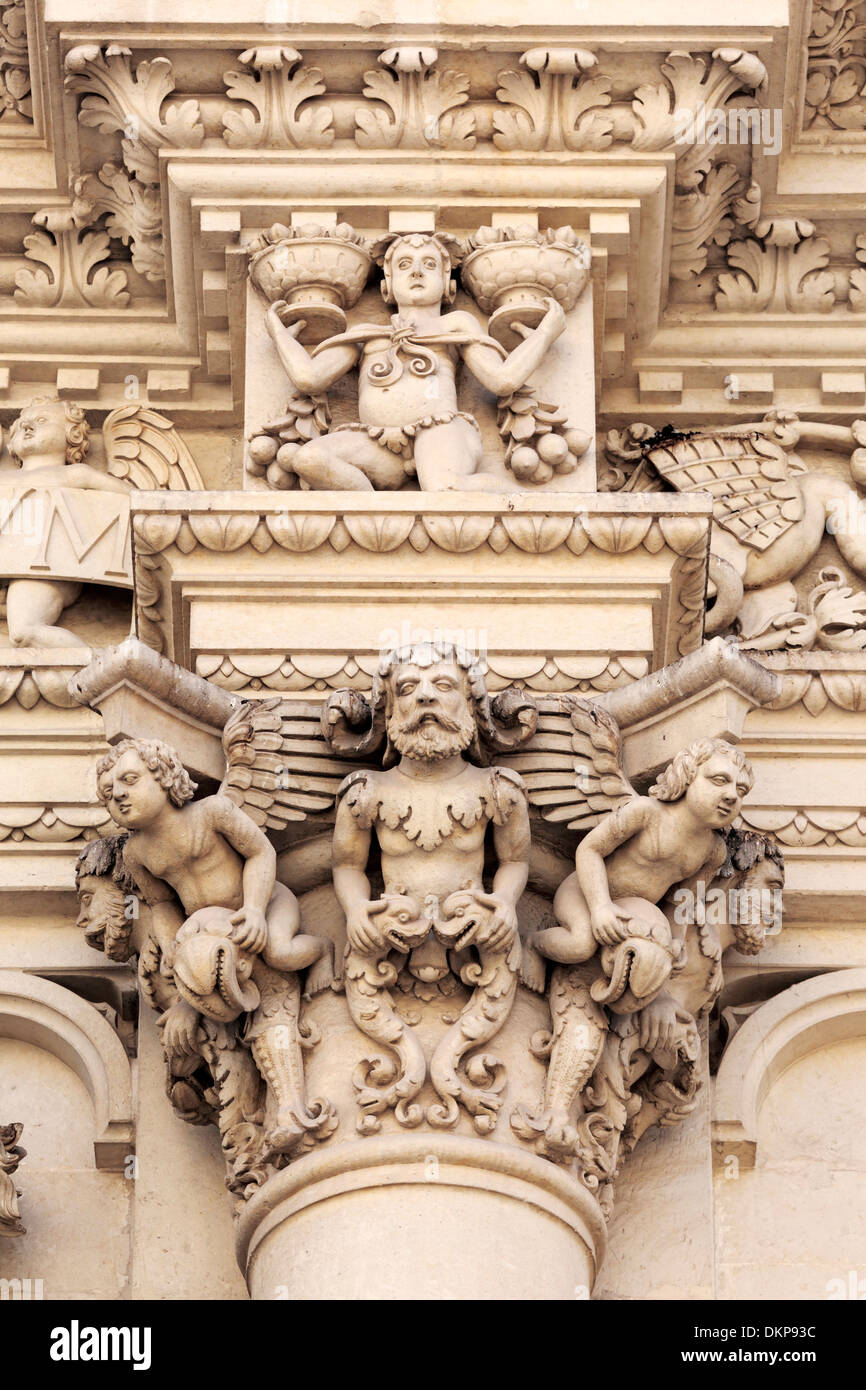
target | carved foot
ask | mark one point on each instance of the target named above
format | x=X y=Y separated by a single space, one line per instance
x=295 y=1128
x=554 y=1135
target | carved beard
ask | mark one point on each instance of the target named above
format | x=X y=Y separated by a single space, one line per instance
x=431 y=742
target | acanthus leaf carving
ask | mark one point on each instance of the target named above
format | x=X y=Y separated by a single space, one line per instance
x=280 y=92
x=780 y=270
x=15 y=94
x=118 y=100
x=676 y=116
x=559 y=108
x=701 y=219
x=134 y=216
x=413 y=105
x=70 y=275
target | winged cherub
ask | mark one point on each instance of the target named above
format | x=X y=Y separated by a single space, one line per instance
x=240 y=946
x=50 y=441
x=430 y=815
x=407 y=392
x=612 y=942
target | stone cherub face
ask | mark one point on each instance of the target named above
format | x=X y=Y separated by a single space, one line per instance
x=417 y=272
x=429 y=713
x=136 y=782
x=713 y=777
x=49 y=427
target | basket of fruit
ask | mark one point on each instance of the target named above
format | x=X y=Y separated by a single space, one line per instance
x=512 y=272
x=319 y=273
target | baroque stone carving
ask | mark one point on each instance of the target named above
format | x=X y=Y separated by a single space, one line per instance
x=413 y=105
x=629 y=977
x=554 y=105
x=116 y=100
x=781 y=269
x=279 y=91
x=771 y=512
x=409 y=421
x=836 y=73
x=68 y=254
x=11 y=1155
x=429 y=815
x=432 y=948
x=68 y=534
x=222 y=940
x=15 y=95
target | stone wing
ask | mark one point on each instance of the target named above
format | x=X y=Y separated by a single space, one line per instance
x=144 y=448
x=572 y=765
x=278 y=766
x=748 y=477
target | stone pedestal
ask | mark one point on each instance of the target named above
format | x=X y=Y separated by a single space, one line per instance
x=420 y=1216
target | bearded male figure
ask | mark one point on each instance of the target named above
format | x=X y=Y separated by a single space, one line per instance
x=429 y=815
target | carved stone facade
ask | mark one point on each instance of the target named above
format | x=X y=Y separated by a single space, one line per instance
x=432 y=651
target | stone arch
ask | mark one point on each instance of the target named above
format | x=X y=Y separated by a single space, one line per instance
x=38 y=1011
x=826 y=1009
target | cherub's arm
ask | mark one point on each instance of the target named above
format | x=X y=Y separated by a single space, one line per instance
x=251 y=843
x=81 y=475
x=614 y=830
x=503 y=377
x=350 y=852
x=511 y=843
x=306 y=373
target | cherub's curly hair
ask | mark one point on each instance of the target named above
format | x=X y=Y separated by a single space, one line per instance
x=77 y=429
x=682 y=770
x=159 y=759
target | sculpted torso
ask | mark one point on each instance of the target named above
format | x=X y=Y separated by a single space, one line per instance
x=408 y=867
x=657 y=857
x=413 y=395
x=201 y=866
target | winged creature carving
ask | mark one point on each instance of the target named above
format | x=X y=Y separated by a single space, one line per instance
x=49 y=442
x=771 y=510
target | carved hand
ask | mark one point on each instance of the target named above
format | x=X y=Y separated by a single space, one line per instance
x=553 y=322
x=275 y=325
x=495 y=921
x=179 y=1026
x=379 y=925
x=660 y=1024
x=609 y=925
x=250 y=929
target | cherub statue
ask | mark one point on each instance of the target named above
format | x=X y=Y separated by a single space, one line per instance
x=50 y=441
x=429 y=815
x=208 y=863
x=409 y=422
x=612 y=941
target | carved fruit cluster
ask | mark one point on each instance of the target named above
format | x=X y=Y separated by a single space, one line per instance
x=272 y=448
x=537 y=439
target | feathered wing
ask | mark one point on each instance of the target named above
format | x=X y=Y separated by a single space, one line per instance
x=748 y=477
x=572 y=765
x=145 y=448
x=278 y=766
